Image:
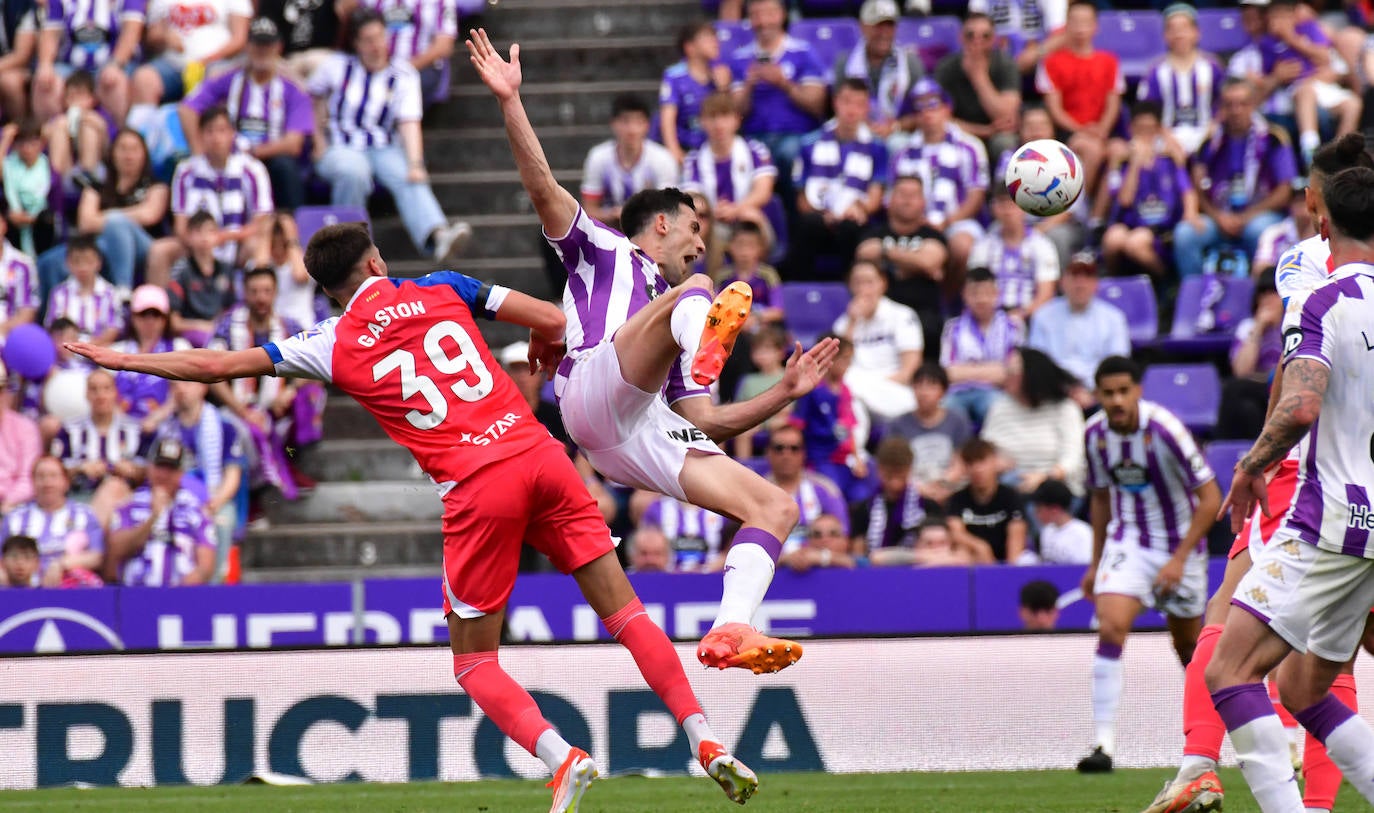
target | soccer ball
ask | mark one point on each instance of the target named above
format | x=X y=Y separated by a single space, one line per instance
x=1044 y=177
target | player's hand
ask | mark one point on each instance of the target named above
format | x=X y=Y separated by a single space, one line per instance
x=1089 y=579
x=102 y=356
x=502 y=77
x=1170 y=576
x=545 y=355
x=1246 y=491
x=805 y=370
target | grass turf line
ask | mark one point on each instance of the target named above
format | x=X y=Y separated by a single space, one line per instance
x=1024 y=792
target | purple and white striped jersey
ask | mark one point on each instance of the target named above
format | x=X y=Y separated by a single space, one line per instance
x=412 y=25
x=170 y=553
x=364 y=108
x=72 y=527
x=835 y=174
x=235 y=194
x=90 y=28
x=81 y=441
x=1331 y=507
x=605 y=178
x=609 y=280
x=950 y=169
x=260 y=113
x=1151 y=474
x=18 y=282
x=728 y=178
x=93 y=312
x=964 y=341
x=694 y=534
x=1018 y=268
x=1190 y=99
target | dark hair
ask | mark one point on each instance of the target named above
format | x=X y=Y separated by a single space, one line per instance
x=1265 y=283
x=80 y=80
x=208 y=117
x=720 y=103
x=259 y=271
x=335 y=251
x=976 y=15
x=976 y=449
x=1238 y=81
x=1043 y=381
x=845 y=344
x=773 y=334
x=201 y=217
x=360 y=19
x=638 y=212
x=691 y=31
x=1349 y=196
x=894 y=453
x=1039 y=596
x=1117 y=365
x=979 y=274
x=931 y=522
x=852 y=83
x=60 y=324
x=629 y=103
x=84 y=241
x=1084 y=3
x=1343 y=153
x=1148 y=107
x=29 y=129
x=19 y=544
x=787 y=427
x=903 y=178
x=1053 y=492
x=746 y=227
x=864 y=264
x=930 y=371
x=109 y=190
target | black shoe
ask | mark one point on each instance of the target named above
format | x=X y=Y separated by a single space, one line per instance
x=1098 y=761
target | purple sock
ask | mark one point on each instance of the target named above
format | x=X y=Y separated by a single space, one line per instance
x=1109 y=651
x=1238 y=705
x=1322 y=717
x=750 y=535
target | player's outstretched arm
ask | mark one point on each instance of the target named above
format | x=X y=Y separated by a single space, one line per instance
x=208 y=366
x=546 y=323
x=555 y=206
x=801 y=375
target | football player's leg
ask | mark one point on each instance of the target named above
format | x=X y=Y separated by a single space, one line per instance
x=648 y=345
x=1321 y=777
x=1115 y=614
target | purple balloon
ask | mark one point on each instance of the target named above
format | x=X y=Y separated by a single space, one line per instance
x=29 y=352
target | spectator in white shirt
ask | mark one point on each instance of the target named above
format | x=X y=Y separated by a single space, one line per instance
x=1078 y=330
x=629 y=162
x=888 y=343
x=1064 y=538
x=191 y=37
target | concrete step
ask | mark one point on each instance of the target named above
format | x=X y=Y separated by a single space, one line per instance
x=508 y=234
x=484 y=148
x=345 y=419
x=495 y=191
x=350 y=504
x=563 y=100
x=587 y=18
x=524 y=274
x=358 y=460
x=409 y=543
x=583 y=59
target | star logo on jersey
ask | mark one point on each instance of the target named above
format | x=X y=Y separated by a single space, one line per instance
x=466 y=438
x=1258 y=596
x=1274 y=571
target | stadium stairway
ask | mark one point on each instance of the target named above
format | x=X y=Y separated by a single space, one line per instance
x=373 y=512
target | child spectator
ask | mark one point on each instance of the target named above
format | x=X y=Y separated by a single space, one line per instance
x=747 y=249
x=162 y=537
x=1148 y=191
x=85 y=297
x=933 y=546
x=19 y=562
x=1064 y=538
x=27 y=179
x=1024 y=261
x=893 y=516
x=78 y=138
x=686 y=86
x=734 y=174
x=1082 y=87
x=1038 y=428
x=1255 y=353
x=887 y=340
x=628 y=162
x=1185 y=82
x=1039 y=606
x=835 y=428
x=976 y=346
x=986 y=518
x=826 y=545
x=203 y=286
x=18 y=285
x=933 y=433
x=768 y=350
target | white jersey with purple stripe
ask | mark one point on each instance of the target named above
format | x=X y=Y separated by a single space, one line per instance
x=177 y=534
x=950 y=168
x=1303 y=268
x=18 y=282
x=261 y=113
x=604 y=176
x=694 y=534
x=964 y=341
x=233 y=195
x=1190 y=98
x=90 y=28
x=1152 y=474
x=93 y=312
x=1019 y=268
x=729 y=178
x=832 y=174
x=1331 y=507
x=72 y=527
x=1274 y=241
x=412 y=25
x=364 y=108
x=81 y=441
x=609 y=280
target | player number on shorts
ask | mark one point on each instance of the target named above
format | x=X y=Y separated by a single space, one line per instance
x=413 y=384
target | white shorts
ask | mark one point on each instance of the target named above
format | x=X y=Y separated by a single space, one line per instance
x=1315 y=600
x=1331 y=95
x=1128 y=569
x=629 y=435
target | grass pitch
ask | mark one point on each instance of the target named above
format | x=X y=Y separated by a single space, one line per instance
x=1027 y=792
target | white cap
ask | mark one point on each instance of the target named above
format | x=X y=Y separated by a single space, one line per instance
x=879 y=11
x=518 y=353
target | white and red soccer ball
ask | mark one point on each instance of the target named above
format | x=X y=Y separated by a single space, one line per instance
x=1044 y=177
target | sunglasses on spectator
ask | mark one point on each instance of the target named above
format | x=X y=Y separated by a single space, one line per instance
x=785 y=447
x=977 y=35
x=825 y=534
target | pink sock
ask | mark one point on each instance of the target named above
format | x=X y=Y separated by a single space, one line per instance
x=657 y=660
x=500 y=698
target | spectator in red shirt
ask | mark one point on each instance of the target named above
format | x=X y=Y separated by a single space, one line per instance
x=1082 y=88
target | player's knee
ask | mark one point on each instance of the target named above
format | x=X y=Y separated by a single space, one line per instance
x=1295 y=693
x=778 y=513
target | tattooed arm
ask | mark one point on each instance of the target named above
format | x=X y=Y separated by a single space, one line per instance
x=1304 y=386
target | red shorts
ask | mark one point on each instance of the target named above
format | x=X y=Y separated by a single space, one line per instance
x=535 y=497
x=1258 y=528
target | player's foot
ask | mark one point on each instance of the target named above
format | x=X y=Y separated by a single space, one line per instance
x=745 y=647
x=1201 y=794
x=738 y=782
x=450 y=240
x=724 y=321
x=1098 y=761
x=573 y=778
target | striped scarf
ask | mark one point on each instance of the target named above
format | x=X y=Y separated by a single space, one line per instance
x=912 y=513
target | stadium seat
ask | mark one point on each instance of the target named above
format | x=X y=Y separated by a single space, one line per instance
x=1191 y=391
x=1220 y=31
x=1185 y=338
x=732 y=34
x=1135 y=296
x=811 y=308
x=1136 y=37
x=1222 y=456
x=310 y=219
x=933 y=37
x=828 y=39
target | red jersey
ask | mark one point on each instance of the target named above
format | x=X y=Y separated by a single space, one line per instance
x=1083 y=82
x=410 y=353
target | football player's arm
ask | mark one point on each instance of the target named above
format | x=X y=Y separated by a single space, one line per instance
x=207 y=366
x=1099 y=514
x=1208 y=503
x=964 y=541
x=1305 y=381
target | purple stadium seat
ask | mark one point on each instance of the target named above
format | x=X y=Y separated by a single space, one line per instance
x=1191 y=391
x=933 y=37
x=1222 y=456
x=827 y=38
x=310 y=219
x=1136 y=37
x=732 y=34
x=1220 y=30
x=1135 y=296
x=811 y=308
x=1234 y=306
